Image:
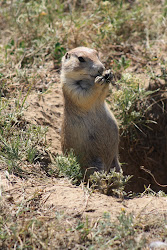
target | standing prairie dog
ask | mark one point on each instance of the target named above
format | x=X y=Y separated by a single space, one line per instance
x=89 y=128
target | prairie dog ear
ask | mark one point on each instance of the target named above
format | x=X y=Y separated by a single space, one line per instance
x=67 y=56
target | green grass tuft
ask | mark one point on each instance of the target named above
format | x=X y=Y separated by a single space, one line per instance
x=20 y=142
x=69 y=167
x=129 y=103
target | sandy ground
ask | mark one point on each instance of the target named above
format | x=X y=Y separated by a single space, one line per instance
x=59 y=194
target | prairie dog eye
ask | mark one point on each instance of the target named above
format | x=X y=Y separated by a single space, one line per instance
x=81 y=59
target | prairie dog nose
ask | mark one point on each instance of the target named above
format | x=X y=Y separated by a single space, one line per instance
x=101 y=69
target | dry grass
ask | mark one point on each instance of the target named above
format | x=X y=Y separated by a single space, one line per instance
x=33 y=37
x=31 y=225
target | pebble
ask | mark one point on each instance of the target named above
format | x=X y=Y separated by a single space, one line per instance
x=158 y=245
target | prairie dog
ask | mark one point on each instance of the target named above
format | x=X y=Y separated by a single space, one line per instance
x=88 y=127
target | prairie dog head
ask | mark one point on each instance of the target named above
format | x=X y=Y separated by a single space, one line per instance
x=81 y=63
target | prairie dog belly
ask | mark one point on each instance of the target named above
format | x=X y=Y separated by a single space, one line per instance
x=95 y=135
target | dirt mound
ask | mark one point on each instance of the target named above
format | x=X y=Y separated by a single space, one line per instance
x=61 y=195
x=46 y=109
x=148 y=149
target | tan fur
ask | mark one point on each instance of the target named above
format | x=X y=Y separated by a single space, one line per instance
x=89 y=127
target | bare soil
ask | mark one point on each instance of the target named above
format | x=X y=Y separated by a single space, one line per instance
x=61 y=195
x=58 y=195
x=148 y=150
x=42 y=193
x=46 y=109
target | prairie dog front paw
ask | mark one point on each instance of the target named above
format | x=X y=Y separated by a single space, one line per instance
x=108 y=76
x=105 y=78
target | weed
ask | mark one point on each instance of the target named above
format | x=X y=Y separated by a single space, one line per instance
x=149 y=192
x=24 y=228
x=33 y=36
x=84 y=230
x=121 y=64
x=111 y=183
x=120 y=234
x=19 y=142
x=68 y=166
x=58 y=53
x=32 y=20
x=130 y=103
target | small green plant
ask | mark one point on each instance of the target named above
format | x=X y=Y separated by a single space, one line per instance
x=111 y=183
x=120 y=233
x=122 y=64
x=19 y=142
x=125 y=226
x=130 y=103
x=58 y=52
x=165 y=9
x=84 y=229
x=69 y=167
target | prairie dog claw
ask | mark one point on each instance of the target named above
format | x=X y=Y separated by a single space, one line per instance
x=108 y=75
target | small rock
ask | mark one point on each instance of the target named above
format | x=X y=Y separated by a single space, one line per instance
x=158 y=245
